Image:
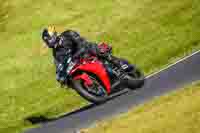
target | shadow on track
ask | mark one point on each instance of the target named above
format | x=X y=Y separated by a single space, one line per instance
x=43 y=119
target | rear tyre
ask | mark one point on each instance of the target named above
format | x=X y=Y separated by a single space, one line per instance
x=135 y=79
x=88 y=93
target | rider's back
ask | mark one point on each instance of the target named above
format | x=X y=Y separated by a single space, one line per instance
x=68 y=40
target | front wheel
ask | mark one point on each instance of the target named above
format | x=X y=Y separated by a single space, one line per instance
x=94 y=93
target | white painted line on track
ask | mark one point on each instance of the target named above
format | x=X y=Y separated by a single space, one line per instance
x=185 y=58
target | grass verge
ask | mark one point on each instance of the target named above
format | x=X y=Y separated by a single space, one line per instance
x=177 y=112
x=149 y=33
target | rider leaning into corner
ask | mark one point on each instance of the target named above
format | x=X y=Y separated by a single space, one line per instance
x=72 y=42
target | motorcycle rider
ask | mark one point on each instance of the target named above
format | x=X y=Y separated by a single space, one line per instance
x=72 y=42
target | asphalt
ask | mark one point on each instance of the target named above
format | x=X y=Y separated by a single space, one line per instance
x=174 y=77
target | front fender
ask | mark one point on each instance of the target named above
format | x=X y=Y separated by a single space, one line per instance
x=85 y=78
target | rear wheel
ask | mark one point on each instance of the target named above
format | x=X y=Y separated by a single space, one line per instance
x=135 y=79
x=94 y=93
x=137 y=74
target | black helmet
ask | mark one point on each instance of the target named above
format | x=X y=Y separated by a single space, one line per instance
x=49 y=35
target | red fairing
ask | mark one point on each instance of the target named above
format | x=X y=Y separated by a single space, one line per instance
x=98 y=69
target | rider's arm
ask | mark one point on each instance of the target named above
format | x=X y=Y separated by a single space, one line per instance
x=79 y=52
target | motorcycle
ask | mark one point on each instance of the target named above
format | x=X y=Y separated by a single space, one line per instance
x=97 y=80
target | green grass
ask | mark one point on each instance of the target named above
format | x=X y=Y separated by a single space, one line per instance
x=177 y=112
x=150 y=33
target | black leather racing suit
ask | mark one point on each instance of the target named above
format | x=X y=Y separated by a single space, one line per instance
x=71 y=41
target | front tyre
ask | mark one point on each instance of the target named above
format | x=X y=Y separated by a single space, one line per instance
x=95 y=93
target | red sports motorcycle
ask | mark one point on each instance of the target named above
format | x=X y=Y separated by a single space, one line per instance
x=98 y=80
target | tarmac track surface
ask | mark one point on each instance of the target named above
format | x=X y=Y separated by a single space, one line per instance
x=173 y=77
